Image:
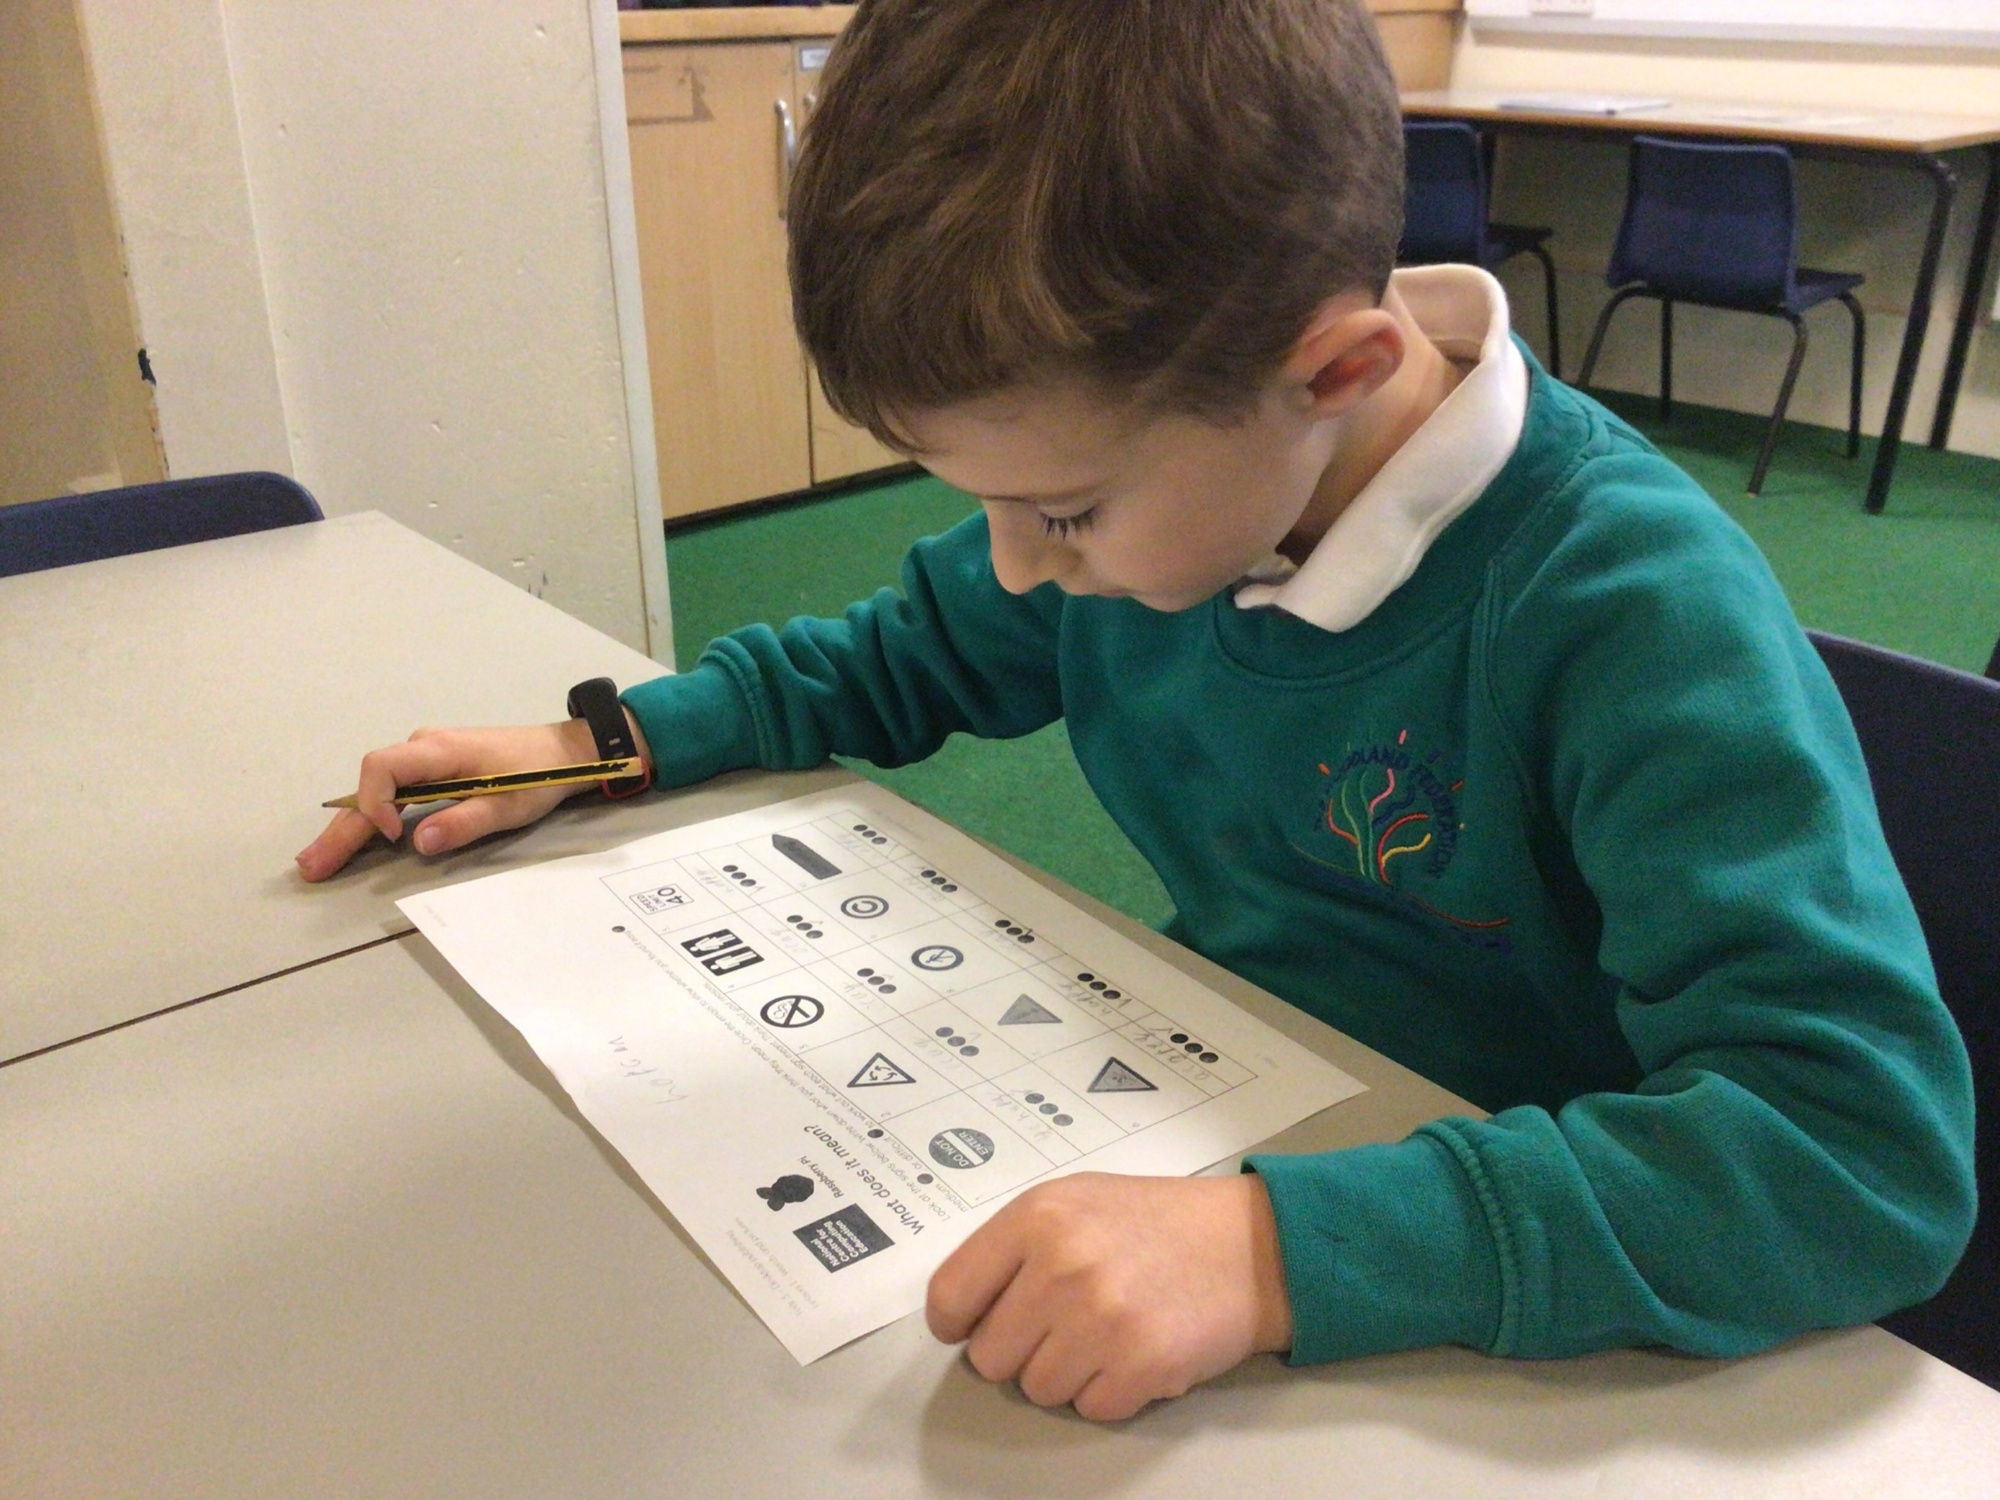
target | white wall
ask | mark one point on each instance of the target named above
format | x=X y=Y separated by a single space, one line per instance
x=1938 y=23
x=178 y=186
x=1861 y=218
x=372 y=246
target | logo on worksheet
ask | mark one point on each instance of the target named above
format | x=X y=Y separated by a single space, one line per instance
x=1388 y=820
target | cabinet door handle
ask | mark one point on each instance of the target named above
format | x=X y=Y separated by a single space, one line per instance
x=788 y=154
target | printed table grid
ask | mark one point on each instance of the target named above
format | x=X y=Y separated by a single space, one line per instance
x=985 y=1053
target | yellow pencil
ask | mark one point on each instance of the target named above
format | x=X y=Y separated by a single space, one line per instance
x=507 y=781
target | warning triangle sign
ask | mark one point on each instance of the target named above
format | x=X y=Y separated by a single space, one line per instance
x=1027 y=1011
x=879 y=1070
x=1116 y=1078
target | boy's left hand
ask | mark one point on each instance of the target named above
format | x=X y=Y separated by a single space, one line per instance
x=1108 y=1292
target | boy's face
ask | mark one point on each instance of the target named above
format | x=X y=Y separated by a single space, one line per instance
x=1168 y=510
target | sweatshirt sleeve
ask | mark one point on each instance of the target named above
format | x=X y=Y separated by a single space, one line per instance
x=889 y=681
x=1798 y=1152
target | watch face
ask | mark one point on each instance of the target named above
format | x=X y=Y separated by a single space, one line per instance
x=586 y=695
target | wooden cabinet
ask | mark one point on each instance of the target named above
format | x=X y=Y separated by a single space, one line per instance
x=736 y=413
x=840 y=449
x=1418 y=36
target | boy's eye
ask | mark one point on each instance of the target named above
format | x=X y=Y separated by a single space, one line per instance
x=1064 y=525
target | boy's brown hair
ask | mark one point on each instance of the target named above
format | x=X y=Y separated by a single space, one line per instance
x=1153 y=196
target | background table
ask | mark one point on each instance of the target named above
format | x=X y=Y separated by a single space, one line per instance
x=173 y=721
x=1893 y=138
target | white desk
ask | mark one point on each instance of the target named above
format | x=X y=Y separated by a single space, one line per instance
x=337 y=1233
x=172 y=721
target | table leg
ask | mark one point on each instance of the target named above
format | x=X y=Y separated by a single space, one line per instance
x=1945 y=182
x=1970 y=299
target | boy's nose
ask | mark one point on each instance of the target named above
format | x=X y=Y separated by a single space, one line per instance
x=1024 y=556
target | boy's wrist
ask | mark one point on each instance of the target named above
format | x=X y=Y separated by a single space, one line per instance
x=1273 y=1303
x=638 y=737
x=576 y=745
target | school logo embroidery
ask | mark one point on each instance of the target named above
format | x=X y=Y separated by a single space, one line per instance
x=1388 y=820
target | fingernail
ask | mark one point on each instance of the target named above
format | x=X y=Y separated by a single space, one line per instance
x=428 y=840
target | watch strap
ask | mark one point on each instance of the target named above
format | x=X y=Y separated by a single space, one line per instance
x=596 y=703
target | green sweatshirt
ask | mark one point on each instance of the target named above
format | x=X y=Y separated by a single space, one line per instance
x=1573 y=823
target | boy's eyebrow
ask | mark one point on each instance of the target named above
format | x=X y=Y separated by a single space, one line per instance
x=1053 y=497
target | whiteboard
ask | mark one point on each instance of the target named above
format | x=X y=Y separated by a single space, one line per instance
x=1920 y=23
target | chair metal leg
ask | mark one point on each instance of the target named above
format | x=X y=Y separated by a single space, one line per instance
x=1618 y=300
x=1784 y=400
x=1540 y=252
x=1666 y=358
x=1854 y=379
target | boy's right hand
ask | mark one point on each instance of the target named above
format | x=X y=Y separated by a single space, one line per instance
x=446 y=754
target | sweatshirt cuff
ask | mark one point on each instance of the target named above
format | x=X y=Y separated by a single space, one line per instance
x=1384 y=1248
x=696 y=724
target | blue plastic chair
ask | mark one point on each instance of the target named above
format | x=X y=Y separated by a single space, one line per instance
x=111 y=523
x=1931 y=737
x=1444 y=213
x=1717 y=225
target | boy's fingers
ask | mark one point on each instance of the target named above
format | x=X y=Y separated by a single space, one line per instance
x=434 y=758
x=1057 y=1371
x=1106 y=1398
x=432 y=754
x=971 y=1279
x=1015 y=1332
x=474 y=818
x=338 y=842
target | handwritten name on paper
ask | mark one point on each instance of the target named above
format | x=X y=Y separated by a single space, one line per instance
x=635 y=1068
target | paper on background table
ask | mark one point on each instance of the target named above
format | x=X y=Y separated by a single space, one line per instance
x=1585 y=104
x=835 y=1035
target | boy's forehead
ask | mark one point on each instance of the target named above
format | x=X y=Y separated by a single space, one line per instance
x=1040 y=442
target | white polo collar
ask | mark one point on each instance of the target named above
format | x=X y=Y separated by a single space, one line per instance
x=1375 y=544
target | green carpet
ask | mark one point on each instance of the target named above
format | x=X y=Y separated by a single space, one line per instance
x=1924 y=577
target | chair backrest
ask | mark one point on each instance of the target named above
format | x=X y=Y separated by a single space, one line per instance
x=1710 y=223
x=1931 y=737
x=111 y=523
x=1444 y=193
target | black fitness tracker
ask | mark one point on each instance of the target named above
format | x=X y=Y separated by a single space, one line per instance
x=596 y=703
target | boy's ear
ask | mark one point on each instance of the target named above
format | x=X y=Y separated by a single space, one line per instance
x=1346 y=354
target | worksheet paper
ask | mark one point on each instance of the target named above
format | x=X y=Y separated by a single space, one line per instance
x=834 y=1036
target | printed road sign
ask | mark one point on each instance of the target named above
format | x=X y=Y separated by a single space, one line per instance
x=804 y=856
x=1116 y=1077
x=1028 y=1011
x=722 y=952
x=961 y=1148
x=878 y=1070
x=792 y=1010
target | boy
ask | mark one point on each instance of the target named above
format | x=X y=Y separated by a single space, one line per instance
x=1445 y=707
